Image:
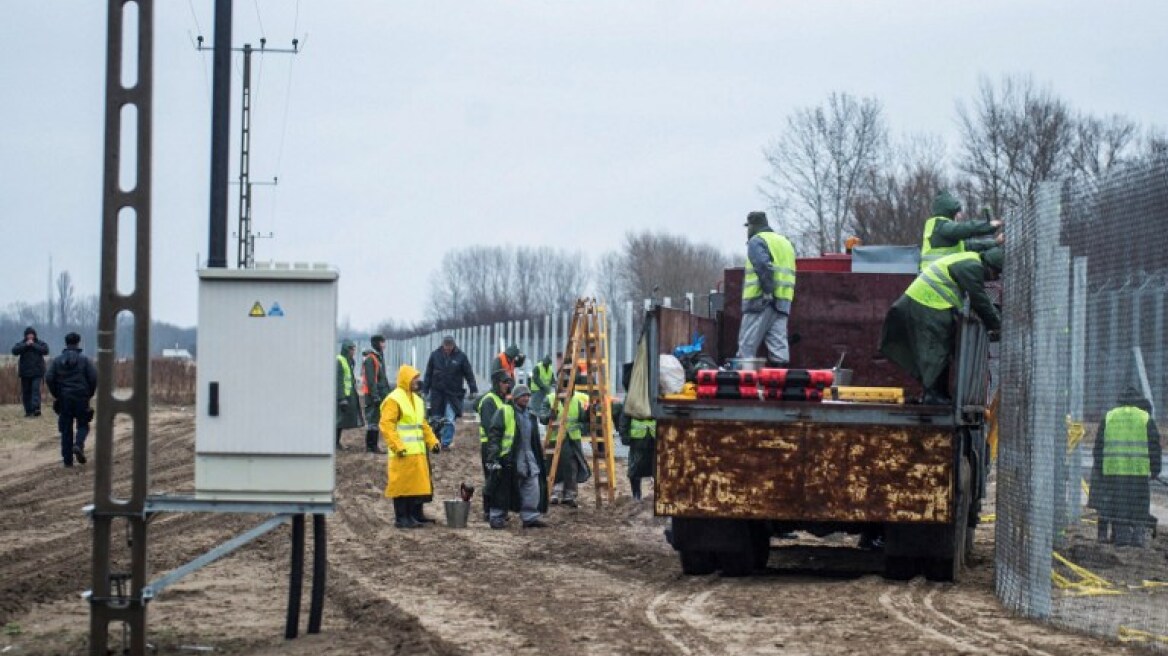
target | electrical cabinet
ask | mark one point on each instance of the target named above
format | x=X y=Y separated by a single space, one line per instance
x=266 y=396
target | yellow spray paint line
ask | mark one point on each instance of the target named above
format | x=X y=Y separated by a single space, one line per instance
x=1075 y=434
x=988 y=518
x=1128 y=634
x=1088 y=584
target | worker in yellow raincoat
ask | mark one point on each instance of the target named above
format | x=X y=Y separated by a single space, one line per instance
x=407 y=439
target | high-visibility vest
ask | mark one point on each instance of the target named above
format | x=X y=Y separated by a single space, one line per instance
x=366 y=384
x=783 y=263
x=347 y=386
x=929 y=253
x=935 y=287
x=541 y=378
x=1125 y=443
x=508 y=430
x=479 y=409
x=409 y=421
x=575 y=429
x=508 y=365
x=642 y=428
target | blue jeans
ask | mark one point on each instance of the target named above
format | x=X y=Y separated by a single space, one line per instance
x=30 y=393
x=73 y=411
x=447 y=434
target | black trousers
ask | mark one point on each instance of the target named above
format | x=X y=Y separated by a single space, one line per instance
x=30 y=393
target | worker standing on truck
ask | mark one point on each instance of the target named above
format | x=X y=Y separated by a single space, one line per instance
x=921 y=326
x=1127 y=456
x=945 y=232
x=767 y=291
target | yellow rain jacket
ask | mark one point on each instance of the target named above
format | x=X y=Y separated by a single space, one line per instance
x=408 y=439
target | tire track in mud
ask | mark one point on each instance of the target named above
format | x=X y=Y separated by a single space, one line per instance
x=913 y=605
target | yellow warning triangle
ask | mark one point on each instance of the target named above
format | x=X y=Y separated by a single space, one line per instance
x=257 y=310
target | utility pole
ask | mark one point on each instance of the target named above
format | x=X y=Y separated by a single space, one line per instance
x=245 y=246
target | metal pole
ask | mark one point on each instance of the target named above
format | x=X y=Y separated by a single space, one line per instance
x=319 y=572
x=1077 y=379
x=243 y=252
x=295 y=579
x=628 y=331
x=220 y=133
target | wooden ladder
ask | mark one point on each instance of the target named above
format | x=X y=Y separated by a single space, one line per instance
x=587 y=344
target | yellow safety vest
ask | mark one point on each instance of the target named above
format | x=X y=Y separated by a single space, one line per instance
x=508 y=430
x=929 y=253
x=783 y=262
x=479 y=409
x=575 y=430
x=935 y=287
x=409 y=422
x=347 y=386
x=541 y=378
x=1125 y=443
x=642 y=428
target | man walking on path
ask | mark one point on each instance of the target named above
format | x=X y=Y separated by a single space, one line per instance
x=515 y=462
x=767 y=292
x=348 y=402
x=72 y=380
x=375 y=387
x=407 y=438
x=31 y=369
x=446 y=370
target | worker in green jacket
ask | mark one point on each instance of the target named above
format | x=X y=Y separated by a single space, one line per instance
x=543 y=383
x=348 y=401
x=946 y=233
x=640 y=435
x=487 y=406
x=921 y=326
x=573 y=467
x=1127 y=456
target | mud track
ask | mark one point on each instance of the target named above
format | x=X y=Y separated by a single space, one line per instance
x=599 y=581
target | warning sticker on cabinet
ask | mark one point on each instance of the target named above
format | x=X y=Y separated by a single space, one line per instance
x=257 y=310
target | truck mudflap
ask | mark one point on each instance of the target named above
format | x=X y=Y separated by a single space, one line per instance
x=805 y=472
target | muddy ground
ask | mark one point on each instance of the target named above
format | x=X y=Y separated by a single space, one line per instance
x=599 y=581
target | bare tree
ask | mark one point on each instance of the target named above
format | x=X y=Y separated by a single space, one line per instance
x=653 y=265
x=608 y=280
x=65 y=299
x=897 y=194
x=1100 y=144
x=1015 y=136
x=818 y=167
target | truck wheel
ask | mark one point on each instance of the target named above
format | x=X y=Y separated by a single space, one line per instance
x=736 y=564
x=900 y=568
x=697 y=563
x=947 y=567
x=760 y=544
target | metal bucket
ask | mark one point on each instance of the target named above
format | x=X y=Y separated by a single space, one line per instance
x=747 y=364
x=457 y=511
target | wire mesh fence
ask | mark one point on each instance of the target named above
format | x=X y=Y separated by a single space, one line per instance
x=1081 y=502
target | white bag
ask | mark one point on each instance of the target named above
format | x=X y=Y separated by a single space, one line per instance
x=671 y=377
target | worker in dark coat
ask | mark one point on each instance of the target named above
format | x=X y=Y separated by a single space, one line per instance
x=446 y=370
x=572 y=469
x=921 y=327
x=1127 y=456
x=348 y=401
x=31 y=352
x=517 y=478
x=72 y=380
x=946 y=234
x=640 y=435
x=487 y=407
x=374 y=388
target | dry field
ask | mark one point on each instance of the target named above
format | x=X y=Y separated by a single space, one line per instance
x=599 y=581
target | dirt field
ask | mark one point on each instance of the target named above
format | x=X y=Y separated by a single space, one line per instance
x=596 y=582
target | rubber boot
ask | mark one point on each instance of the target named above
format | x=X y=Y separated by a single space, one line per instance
x=371 y=442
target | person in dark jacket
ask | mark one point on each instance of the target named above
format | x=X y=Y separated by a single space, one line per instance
x=518 y=475
x=348 y=401
x=921 y=326
x=946 y=234
x=374 y=387
x=1127 y=456
x=31 y=369
x=487 y=407
x=640 y=435
x=72 y=380
x=446 y=370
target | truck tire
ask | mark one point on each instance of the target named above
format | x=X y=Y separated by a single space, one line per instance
x=760 y=544
x=947 y=566
x=900 y=568
x=697 y=563
x=736 y=564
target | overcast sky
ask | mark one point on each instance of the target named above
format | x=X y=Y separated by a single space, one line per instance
x=405 y=129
